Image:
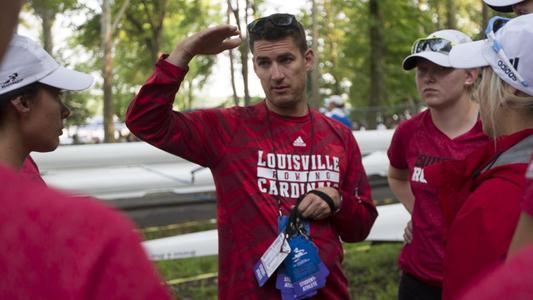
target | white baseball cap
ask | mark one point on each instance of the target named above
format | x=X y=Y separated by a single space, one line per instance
x=26 y=62
x=435 y=48
x=335 y=99
x=513 y=62
x=502 y=5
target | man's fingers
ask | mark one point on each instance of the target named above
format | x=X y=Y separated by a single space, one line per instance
x=221 y=32
x=231 y=43
x=313 y=207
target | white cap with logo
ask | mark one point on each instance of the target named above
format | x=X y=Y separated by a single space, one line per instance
x=502 y=5
x=335 y=99
x=27 y=62
x=509 y=52
x=435 y=48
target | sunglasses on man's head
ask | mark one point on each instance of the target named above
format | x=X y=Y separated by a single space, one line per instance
x=279 y=20
x=495 y=24
x=435 y=44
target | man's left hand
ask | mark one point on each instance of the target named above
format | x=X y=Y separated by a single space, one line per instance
x=313 y=207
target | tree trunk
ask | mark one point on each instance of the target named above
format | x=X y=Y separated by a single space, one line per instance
x=377 y=86
x=315 y=74
x=47 y=17
x=484 y=19
x=231 y=60
x=451 y=22
x=107 y=72
x=244 y=58
x=243 y=49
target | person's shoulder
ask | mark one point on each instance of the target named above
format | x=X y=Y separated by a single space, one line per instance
x=341 y=130
x=57 y=208
x=414 y=123
x=332 y=122
x=252 y=111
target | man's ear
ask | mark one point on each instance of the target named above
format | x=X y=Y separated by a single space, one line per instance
x=309 y=57
x=20 y=104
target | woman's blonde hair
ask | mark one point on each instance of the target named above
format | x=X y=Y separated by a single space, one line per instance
x=496 y=92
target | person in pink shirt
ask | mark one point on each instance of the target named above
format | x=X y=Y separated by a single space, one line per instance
x=449 y=129
x=55 y=246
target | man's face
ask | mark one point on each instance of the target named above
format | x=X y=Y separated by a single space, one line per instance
x=523 y=8
x=282 y=70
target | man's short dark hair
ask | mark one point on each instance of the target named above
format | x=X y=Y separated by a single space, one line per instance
x=272 y=32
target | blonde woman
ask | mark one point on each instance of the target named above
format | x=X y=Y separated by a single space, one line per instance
x=448 y=130
x=481 y=196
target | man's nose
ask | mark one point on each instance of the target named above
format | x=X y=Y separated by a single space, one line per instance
x=277 y=73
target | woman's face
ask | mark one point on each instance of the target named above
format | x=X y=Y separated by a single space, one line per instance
x=441 y=87
x=45 y=120
x=523 y=8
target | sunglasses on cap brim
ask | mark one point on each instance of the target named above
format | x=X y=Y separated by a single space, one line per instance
x=434 y=44
x=278 y=20
x=495 y=24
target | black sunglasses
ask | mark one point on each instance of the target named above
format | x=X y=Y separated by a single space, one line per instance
x=279 y=20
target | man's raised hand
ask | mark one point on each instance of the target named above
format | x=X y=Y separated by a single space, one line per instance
x=209 y=41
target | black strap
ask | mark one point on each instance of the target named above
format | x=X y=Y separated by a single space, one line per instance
x=326 y=198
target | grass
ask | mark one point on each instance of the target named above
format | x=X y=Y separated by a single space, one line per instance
x=371 y=269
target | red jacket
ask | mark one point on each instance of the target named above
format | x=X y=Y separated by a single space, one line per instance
x=481 y=202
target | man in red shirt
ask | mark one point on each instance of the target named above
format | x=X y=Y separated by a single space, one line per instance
x=263 y=157
x=449 y=129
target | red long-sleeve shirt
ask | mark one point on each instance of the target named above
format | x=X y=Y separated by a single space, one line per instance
x=244 y=148
x=53 y=246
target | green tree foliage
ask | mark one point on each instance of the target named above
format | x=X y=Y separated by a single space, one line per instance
x=345 y=52
x=344 y=46
x=148 y=29
x=46 y=11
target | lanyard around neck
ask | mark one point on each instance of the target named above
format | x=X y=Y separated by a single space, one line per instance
x=312 y=135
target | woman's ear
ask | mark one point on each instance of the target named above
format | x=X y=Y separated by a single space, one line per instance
x=21 y=104
x=471 y=76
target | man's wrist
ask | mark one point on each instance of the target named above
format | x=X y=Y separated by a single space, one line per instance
x=338 y=205
x=180 y=58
